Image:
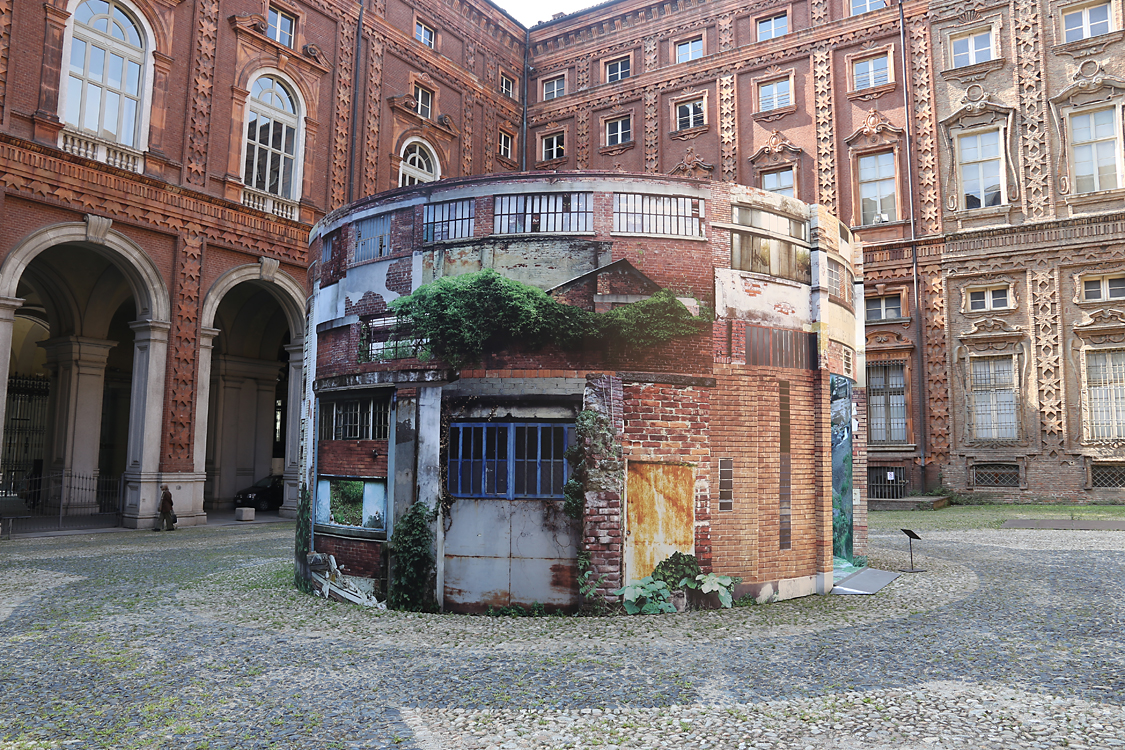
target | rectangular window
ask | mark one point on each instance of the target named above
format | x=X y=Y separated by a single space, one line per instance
x=996 y=475
x=1107 y=475
x=779 y=181
x=425 y=99
x=1095 y=151
x=863 y=6
x=352 y=501
x=507 y=86
x=840 y=281
x=617 y=70
x=779 y=249
x=553 y=147
x=1093 y=20
x=326 y=249
x=1105 y=385
x=980 y=169
x=773 y=95
x=550 y=212
x=356 y=419
x=994 y=399
x=877 y=188
x=887 y=482
x=689 y=50
x=504 y=145
x=972 y=49
x=726 y=484
x=618 y=131
x=509 y=460
x=450 y=220
x=886 y=402
x=993 y=298
x=554 y=88
x=785 y=474
x=280 y=26
x=424 y=34
x=373 y=238
x=689 y=114
x=1103 y=287
x=769 y=28
x=874 y=71
x=884 y=308
x=657 y=214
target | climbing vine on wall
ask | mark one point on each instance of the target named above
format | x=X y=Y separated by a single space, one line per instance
x=462 y=317
x=301 y=540
x=594 y=445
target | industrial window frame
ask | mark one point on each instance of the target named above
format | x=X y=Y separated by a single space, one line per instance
x=495 y=471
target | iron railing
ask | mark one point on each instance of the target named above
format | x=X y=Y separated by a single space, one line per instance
x=60 y=500
x=887 y=482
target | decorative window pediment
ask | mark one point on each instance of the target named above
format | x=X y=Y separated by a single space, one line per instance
x=692 y=165
x=876 y=131
x=992 y=334
x=779 y=151
x=1102 y=326
x=1092 y=90
x=978 y=113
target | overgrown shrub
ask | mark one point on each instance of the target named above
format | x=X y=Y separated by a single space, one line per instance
x=676 y=568
x=646 y=597
x=412 y=547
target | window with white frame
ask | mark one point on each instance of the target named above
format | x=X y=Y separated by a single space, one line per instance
x=994 y=387
x=504 y=145
x=373 y=238
x=988 y=298
x=507 y=85
x=1097 y=288
x=545 y=212
x=1087 y=21
x=877 y=188
x=449 y=220
x=886 y=402
x=418 y=165
x=326 y=249
x=280 y=26
x=104 y=83
x=355 y=419
x=779 y=181
x=617 y=70
x=553 y=146
x=272 y=121
x=773 y=95
x=970 y=49
x=691 y=49
x=874 y=71
x=840 y=281
x=689 y=114
x=1095 y=146
x=979 y=154
x=863 y=6
x=425 y=101
x=424 y=34
x=618 y=131
x=638 y=213
x=769 y=28
x=884 y=308
x=553 y=88
x=1105 y=394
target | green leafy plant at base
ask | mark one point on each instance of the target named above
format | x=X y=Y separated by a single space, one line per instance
x=412 y=548
x=462 y=317
x=712 y=582
x=676 y=568
x=646 y=597
x=301 y=540
x=588 y=585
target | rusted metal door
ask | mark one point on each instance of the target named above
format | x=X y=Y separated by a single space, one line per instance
x=659 y=515
x=510 y=552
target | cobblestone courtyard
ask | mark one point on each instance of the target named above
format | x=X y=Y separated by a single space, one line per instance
x=1011 y=639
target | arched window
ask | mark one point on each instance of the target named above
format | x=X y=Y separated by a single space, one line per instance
x=272 y=138
x=418 y=165
x=105 y=78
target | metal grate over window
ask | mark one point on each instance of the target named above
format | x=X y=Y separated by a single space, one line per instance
x=887 y=482
x=373 y=238
x=994 y=398
x=551 y=212
x=508 y=460
x=1105 y=394
x=1107 y=475
x=657 y=214
x=355 y=419
x=450 y=220
x=996 y=475
x=886 y=402
x=726 y=484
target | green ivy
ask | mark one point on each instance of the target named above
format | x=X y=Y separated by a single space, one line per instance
x=301 y=541
x=412 y=545
x=594 y=439
x=676 y=568
x=462 y=317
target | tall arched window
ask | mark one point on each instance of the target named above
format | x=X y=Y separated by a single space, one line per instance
x=418 y=165
x=105 y=86
x=272 y=138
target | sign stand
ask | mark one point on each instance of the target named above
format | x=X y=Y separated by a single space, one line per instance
x=911 y=536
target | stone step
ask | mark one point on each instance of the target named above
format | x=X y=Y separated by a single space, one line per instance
x=916 y=502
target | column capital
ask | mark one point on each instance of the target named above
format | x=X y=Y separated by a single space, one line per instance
x=78 y=350
x=8 y=307
x=150 y=330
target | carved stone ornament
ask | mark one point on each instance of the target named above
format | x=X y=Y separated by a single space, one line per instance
x=992 y=329
x=1100 y=324
x=249 y=21
x=876 y=130
x=97 y=228
x=314 y=52
x=267 y=268
x=1091 y=87
x=978 y=110
x=778 y=151
x=887 y=340
x=693 y=166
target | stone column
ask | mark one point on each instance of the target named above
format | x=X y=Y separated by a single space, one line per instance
x=243 y=423
x=146 y=425
x=293 y=429
x=429 y=470
x=8 y=307
x=77 y=365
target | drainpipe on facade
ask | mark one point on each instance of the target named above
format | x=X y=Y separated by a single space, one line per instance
x=315 y=440
x=355 y=102
x=523 y=99
x=920 y=380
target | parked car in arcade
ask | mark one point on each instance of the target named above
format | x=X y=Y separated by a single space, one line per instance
x=265 y=494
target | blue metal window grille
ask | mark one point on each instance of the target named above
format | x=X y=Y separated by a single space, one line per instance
x=508 y=459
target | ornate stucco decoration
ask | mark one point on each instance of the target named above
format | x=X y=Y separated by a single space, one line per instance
x=97 y=228
x=876 y=130
x=991 y=334
x=267 y=268
x=1092 y=86
x=693 y=166
x=977 y=110
x=1102 y=327
x=779 y=151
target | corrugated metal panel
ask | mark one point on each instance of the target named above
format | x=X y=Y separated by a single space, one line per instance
x=780 y=347
x=660 y=515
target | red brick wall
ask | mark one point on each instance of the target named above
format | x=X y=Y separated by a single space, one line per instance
x=353 y=458
x=359 y=557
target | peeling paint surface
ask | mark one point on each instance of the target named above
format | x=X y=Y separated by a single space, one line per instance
x=660 y=517
x=761 y=300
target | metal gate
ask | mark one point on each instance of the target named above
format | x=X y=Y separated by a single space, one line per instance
x=500 y=553
x=60 y=501
x=659 y=515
